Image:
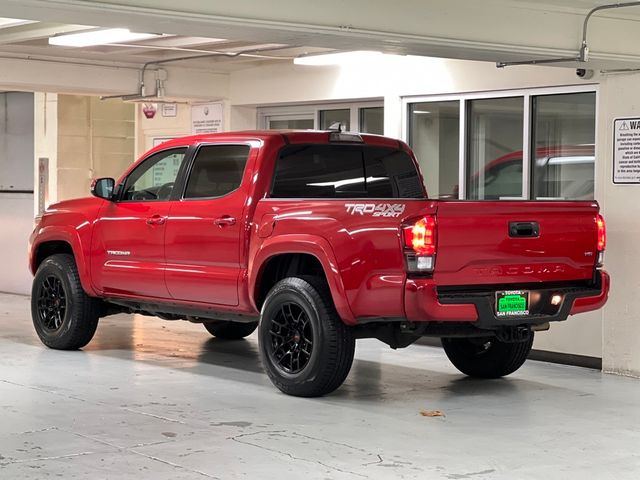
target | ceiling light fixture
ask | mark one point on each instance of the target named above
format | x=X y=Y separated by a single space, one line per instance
x=99 y=37
x=14 y=22
x=342 y=58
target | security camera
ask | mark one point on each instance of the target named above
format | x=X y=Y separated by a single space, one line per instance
x=583 y=73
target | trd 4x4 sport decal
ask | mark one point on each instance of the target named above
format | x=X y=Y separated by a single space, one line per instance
x=376 y=209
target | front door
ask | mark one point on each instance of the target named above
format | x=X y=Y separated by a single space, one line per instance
x=127 y=256
x=202 y=241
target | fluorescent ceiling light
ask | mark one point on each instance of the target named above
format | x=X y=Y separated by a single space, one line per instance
x=342 y=58
x=99 y=37
x=424 y=112
x=14 y=22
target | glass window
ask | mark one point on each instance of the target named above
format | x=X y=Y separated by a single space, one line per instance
x=495 y=132
x=372 y=120
x=434 y=135
x=331 y=117
x=391 y=174
x=217 y=170
x=563 y=146
x=153 y=179
x=291 y=124
x=345 y=171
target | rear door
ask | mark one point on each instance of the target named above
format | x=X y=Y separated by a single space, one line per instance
x=127 y=254
x=515 y=242
x=204 y=228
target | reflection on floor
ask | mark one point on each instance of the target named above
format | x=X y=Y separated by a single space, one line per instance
x=150 y=399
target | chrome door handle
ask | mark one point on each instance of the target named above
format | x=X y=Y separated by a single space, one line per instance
x=225 y=221
x=156 y=220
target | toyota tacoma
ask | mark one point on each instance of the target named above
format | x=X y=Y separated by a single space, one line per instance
x=315 y=239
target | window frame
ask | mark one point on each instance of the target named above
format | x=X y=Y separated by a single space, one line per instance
x=312 y=111
x=527 y=131
x=191 y=162
x=177 y=183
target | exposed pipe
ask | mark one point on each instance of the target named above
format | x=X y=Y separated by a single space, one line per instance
x=583 y=53
x=142 y=94
x=206 y=55
x=619 y=70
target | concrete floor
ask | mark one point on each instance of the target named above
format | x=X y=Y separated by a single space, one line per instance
x=162 y=400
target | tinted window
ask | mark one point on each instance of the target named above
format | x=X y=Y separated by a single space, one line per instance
x=345 y=171
x=153 y=179
x=217 y=170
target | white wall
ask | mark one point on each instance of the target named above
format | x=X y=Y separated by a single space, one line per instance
x=16 y=173
x=620 y=97
x=16 y=224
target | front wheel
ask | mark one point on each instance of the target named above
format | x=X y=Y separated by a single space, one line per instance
x=305 y=347
x=486 y=357
x=64 y=316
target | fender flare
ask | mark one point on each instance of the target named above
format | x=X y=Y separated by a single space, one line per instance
x=307 y=244
x=70 y=236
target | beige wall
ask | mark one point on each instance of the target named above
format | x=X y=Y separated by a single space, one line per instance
x=95 y=139
x=160 y=127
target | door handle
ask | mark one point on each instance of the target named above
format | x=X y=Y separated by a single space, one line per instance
x=524 y=229
x=225 y=221
x=156 y=220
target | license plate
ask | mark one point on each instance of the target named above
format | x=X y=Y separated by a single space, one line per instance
x=512 y=303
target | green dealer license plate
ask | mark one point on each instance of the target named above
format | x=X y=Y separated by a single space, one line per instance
x=512 y=303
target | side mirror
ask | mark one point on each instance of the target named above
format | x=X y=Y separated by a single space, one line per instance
x=103 y=188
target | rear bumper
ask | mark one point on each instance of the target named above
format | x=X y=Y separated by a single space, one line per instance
x=424 y=302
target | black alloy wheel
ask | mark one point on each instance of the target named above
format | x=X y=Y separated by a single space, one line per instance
x=487 y=357
x=291 y=338
x=64 y=316
x=305 y=347
x=52 y=303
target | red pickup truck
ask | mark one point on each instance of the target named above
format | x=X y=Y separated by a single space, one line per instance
x=315 y=239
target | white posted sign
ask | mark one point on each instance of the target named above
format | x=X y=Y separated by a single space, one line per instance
x=626 y=150
x=206 y=118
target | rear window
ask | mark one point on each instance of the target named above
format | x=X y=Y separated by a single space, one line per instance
x=345 y=171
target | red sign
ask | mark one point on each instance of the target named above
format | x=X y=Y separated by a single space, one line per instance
x=149 y=110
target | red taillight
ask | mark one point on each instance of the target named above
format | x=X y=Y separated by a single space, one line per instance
x=602 y=233
x=421 y=236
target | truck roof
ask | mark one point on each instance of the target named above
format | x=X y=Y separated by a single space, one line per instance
x=289 y=136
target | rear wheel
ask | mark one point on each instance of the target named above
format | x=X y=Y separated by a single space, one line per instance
x=230 y=330
x=64 y=316
x=486 y=357
x=305 y=347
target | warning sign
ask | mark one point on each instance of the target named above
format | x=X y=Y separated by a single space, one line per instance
x=626 y=150
x=206 y=118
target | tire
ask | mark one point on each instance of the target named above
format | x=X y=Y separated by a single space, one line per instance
x=230 y=330
x=305 y=347
x=64 y=316
x=486 y=357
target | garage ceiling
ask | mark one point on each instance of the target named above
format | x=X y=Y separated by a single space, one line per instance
x=490 y=30
x=32 y=40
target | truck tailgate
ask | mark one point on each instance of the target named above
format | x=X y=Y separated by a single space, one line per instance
x=481 y=243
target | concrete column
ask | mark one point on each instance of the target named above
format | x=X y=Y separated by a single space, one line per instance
x=620 y=97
